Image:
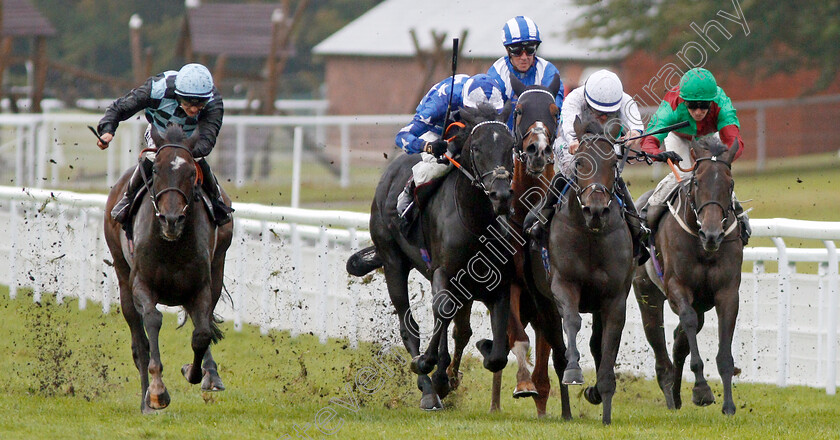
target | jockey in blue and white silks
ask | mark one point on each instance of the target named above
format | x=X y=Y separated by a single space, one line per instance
x=521 y=38
x=427 y=125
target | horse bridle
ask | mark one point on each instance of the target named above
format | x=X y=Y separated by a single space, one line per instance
x=596 y=186
x=499 y=172
x=148 y=184
x=532 y=129
x=692 y=182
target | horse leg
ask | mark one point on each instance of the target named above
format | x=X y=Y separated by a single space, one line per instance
x=567 y=297
x=211 y=380
x=613 y=315
x=461 y=333
x=156 y=396
x=444 y=308
x=726 y=306
x=685 y=342
x=651 y=303
x=201 y=313
x=440 y=379
x=518 y=340
x=591 y=394
x=540 y=374
x=139 y=343
x=495 y=352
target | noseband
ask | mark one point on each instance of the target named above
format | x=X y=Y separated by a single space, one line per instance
x=156 y=196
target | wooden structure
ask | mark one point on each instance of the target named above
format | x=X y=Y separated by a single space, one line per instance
x=19 y=19
x=221 y=31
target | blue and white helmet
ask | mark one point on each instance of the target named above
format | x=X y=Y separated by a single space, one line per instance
x=194 y=81
x=520 y=29
x=603 y=91
x=482 y=88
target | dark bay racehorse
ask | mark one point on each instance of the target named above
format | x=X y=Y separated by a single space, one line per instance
x=592 y=262
x=455 y=224
x=701 y=253
x=177 y=259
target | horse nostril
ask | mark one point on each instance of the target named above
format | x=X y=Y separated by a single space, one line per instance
x=181 y=218
x=702 y=235
x=493 y=194
x=531 y=149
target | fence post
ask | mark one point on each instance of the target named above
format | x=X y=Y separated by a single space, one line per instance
x=761 y=138
x=323 y=274
x=265 y=319
x=240 y=154
x=13 y=250
x=345 y=155
x=297 y=152
x=758 y=270
x=782 y=337
x=831 y=378
x=20 y=151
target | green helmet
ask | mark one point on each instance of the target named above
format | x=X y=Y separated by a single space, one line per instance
x=698 y=84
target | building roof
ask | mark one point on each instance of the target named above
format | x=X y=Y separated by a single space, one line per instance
x=241 y=29
x=384 y=30
x=21 y=19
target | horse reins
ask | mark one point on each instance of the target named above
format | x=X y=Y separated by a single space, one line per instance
x=499 y=172
x=691 y=201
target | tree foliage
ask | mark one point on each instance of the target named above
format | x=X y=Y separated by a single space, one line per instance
x=778 y=36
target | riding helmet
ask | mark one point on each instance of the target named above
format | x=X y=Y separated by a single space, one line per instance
x=520 y=29
x=698 y=84
x=603 y=91
x=194 y=81
x=482 y=88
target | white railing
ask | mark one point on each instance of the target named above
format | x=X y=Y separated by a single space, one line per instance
x=285 y=270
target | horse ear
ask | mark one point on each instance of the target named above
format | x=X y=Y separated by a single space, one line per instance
x=156 y=136
x=614 y=129
x=554 y=87
x=693 y=154
x=554 y=109
x=578 y=125
x=506 y=111
x=733 y=150
x=192 y=140
x=467 y=115
x=517 y=85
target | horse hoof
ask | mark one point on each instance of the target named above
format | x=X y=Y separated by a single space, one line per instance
x=525 y=389
x=702 y=395
x=484 y=346
x=186 y=370
x=455 y=380
x=419 y=366
x=212 y=381
x=573 y=376
x=157 y=401
x=592 y=395
x=728 y=409
x=431 y=402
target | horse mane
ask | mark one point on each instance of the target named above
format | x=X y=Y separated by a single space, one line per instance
x=712 y=144
x=471 y=117
x=174 y=134
x=591 y=125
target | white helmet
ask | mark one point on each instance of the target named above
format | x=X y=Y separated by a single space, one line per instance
x=603 y=91
x=482 y=88
x=194 y=81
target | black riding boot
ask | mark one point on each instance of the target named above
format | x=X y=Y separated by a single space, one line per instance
x=405 y=206
x=533 y=223
x=743 y=222
x=638 y=231
x=221 y=212
x=121 y=210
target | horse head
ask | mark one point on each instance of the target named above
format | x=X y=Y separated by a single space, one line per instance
x=175 y=179
x=596 y=169
x=535 y=123
x=710 y=190
x=486 y=153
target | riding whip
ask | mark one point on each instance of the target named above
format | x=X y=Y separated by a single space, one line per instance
x=451 y=84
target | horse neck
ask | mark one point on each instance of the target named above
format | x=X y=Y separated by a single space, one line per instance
x=522 y=184
x=472 y=204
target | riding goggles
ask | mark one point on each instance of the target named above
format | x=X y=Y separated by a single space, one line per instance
x=517 y=49
x=694 y=105
x=191 y=101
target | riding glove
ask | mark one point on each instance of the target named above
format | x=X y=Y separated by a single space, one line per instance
x=664 y=156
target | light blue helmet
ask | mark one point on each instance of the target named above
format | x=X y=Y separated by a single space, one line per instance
x=520 y=29
x=482 y=88
x=194 y=81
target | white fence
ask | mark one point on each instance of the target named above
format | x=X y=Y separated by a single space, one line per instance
x=285 y=270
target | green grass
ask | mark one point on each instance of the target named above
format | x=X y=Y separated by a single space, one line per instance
x=69 y=374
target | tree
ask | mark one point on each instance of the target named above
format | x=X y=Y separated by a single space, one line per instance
x=753 y=37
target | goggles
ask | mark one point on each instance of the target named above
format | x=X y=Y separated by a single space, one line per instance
x=191 y=101
x=694 y=105
x=517 y=49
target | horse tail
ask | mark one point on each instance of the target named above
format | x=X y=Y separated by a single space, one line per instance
x=363 y=262
x=216 y=334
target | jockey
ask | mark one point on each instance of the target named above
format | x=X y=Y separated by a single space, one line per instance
x=423 y=134
x=187 y=98
x=700 y=101
x=521 y=38
x=602 y=95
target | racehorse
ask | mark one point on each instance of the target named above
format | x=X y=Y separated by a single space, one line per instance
x=176 y=258
x=591 y=256
x=701 y=253
x=455 y=224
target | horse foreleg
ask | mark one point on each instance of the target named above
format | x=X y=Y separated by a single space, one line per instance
x=444 y=307
x=690 y=324
x=519 y=344
x=202 y=316
x=651 y=303
x=613 y=315
x=461 y=333
x=139 y=344
x=540 y=374
x=495 y=352
x=156 y=396
x=595 y=341
x=440 y=379
x=211 y=381
x=726 y=306
x=567 y=297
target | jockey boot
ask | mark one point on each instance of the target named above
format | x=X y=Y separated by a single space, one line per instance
x=405 y=206
x=651 y=215
x=743 y=222
x=638 y=231
x=533 y=223
x=221 y=212
x=121 y=210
